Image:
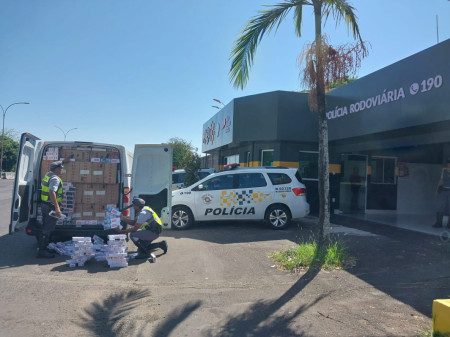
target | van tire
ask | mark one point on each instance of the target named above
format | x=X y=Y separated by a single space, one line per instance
x=278 y=216
x=182 y=218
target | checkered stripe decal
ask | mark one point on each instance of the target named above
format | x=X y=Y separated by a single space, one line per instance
x=242 y=198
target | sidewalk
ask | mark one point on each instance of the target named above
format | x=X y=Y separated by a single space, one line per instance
x=421 y=223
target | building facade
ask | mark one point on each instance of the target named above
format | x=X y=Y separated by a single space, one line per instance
x=389 y=135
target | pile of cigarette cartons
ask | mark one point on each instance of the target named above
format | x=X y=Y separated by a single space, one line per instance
x=68 y=202
x=116 y=252
x=82 y=251
x=112 y=217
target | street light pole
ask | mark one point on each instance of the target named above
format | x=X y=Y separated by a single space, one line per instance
x=65 y=133
x=3 y=130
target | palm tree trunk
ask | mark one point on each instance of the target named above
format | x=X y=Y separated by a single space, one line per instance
x=324 y=177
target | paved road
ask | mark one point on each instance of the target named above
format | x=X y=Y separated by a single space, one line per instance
x=216 y=280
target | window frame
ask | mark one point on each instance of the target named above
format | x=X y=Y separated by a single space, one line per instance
x=302 y=176
x=383 y=170
x=262 y=156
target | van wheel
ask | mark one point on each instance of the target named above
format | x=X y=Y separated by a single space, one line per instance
x=278 y=216
x=182 y=217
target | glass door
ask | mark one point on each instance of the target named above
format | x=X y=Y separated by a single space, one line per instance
x=353 y=187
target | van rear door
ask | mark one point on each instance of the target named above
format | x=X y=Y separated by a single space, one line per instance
x=21 y=207
x=151 y=178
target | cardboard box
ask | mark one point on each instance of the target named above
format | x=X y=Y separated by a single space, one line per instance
x=83 y=172
x=97 y=172
x=45 y=167
x=68 y=172
x=112 y=194
x=88 y=212
x=78 y=193
x=100 y=195
x=77 y=155
x=97 y=155
x=110 y=173
x=88 y=194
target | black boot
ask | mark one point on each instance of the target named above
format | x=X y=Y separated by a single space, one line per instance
x=163 y=246
x=43 y=243
x=439 y=217
x=143 y=252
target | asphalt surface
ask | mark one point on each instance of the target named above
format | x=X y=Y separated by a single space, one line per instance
x=217 y=280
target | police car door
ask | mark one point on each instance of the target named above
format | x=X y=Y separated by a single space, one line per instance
x=151 y=178
x=250 y=198
x=24 y=184
x=211 y=198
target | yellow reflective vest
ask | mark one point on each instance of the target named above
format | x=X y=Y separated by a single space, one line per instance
x=45 y=189
x=146 y=226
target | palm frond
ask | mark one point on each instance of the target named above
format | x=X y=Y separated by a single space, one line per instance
x=245 y=46
x=341 y=9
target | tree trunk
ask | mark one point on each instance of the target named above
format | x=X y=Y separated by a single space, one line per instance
x=324 y=177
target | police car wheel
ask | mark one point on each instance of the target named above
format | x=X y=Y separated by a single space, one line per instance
x=182 y=217
x=278 y=216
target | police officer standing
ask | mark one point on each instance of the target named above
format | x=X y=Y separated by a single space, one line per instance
x=146 y=228
x=443 y=193
x=51 y=197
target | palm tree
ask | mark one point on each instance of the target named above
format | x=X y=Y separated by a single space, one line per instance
x=242 y=60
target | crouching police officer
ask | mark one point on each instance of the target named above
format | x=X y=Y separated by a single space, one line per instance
x=51 y=197
x=146 y=228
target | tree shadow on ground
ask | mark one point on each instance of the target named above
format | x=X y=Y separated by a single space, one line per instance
x=176 y=317
x=111 y=317
x=411 y=267
x=261 y=318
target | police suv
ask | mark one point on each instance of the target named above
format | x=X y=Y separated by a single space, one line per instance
x=274 y=194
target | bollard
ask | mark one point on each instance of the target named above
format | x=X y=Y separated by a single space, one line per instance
x=441 y=314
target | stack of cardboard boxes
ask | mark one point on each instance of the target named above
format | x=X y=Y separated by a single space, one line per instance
x=90 y=175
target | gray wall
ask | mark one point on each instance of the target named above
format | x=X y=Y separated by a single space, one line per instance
x=277 y=115
x=416 y=192
x=415 y=108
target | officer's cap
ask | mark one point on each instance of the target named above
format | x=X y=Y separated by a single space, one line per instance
x=56 y=164
x=139 y=202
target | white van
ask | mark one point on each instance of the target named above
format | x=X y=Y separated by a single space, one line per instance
x=97 y=178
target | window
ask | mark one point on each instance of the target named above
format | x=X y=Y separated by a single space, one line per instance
x=178 y=178
x=267 y=157
x=279 y=178
x=309 y=165
x=222 y=182
x=383 y=170
x=202 y=175
x=250 y=180
x=234 y=159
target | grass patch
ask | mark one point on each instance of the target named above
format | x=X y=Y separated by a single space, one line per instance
x=331 y=255
x=429 y=333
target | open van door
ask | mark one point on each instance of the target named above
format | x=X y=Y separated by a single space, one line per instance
x=21 y=207
x=151 y=178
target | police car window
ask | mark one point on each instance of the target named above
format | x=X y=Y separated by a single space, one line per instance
x=203 y=174
x=249 y=180
x=222 y=182
x=279 y=178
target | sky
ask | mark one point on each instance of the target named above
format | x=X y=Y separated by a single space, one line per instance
x=141 y=71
